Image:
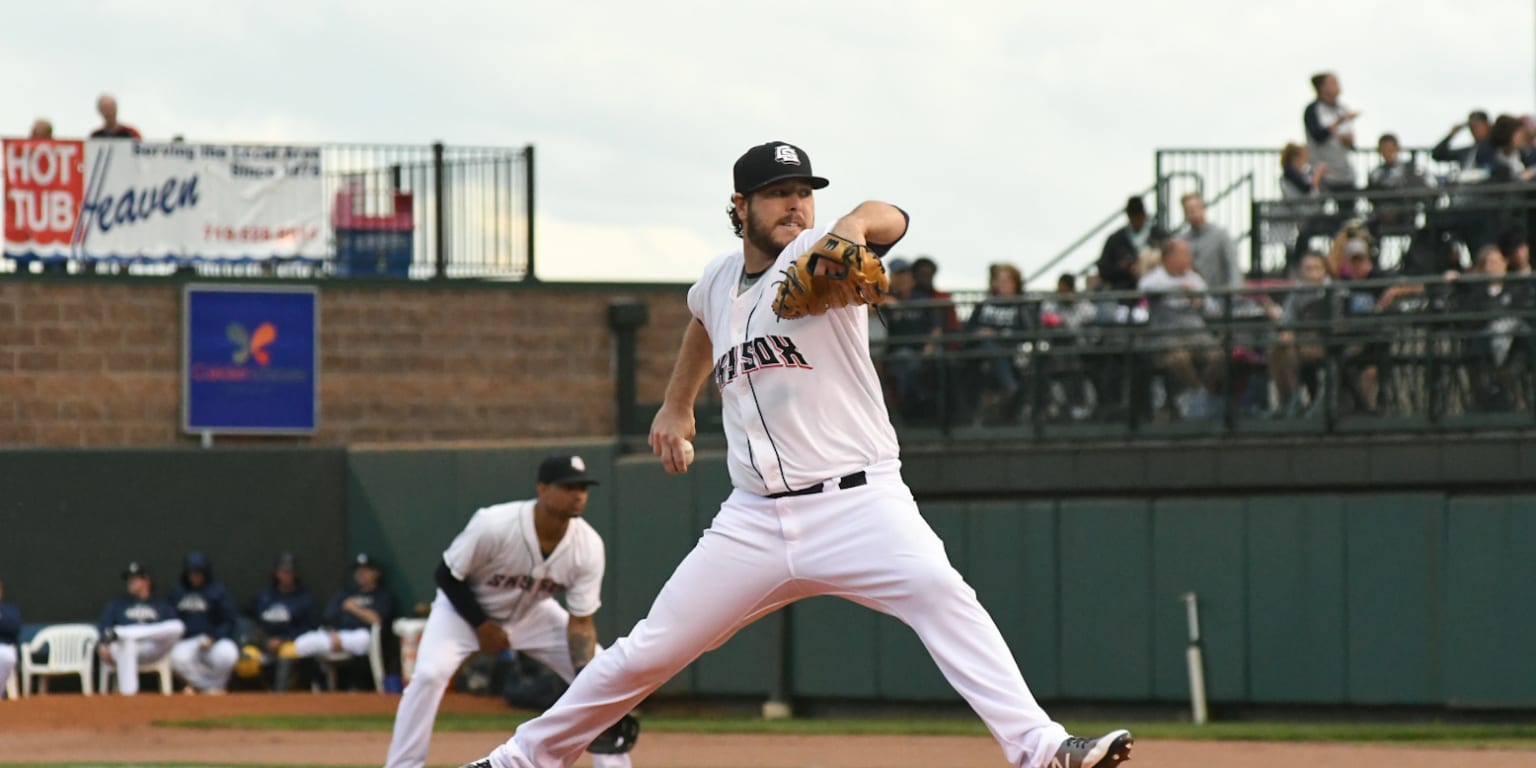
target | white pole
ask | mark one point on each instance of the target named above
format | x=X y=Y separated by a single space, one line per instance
x=1195 y=660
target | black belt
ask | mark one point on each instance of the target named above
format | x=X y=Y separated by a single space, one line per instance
x=844 y=483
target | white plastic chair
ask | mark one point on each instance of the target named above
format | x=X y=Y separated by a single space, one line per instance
x=71 y=651
x=330 y=661
x=161 y=668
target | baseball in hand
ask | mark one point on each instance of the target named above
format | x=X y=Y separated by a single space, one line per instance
x=687 y=456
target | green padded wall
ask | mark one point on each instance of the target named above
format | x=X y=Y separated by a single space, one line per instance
x=1296 y=600
x=1198 y=547
x=1393 y=545
x=1105 y=567
x=1490 y=578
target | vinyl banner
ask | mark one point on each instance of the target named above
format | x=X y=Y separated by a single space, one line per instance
x=141 y=201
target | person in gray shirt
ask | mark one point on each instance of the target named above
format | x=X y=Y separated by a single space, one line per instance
x=1215 y=255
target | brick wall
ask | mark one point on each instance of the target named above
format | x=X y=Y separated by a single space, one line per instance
x=95 y=362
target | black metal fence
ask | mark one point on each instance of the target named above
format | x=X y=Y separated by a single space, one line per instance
x=1350 y=356
x=397 y=211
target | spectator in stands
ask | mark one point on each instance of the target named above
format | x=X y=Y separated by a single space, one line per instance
x=283 y=611
x=352 y=614
x=1351 y=240
x=1070 y=374
x=1298 y=343
x=110 y=127
x=923 y=271
x=1331 y=132
x=1366 y=352
x=1393 y=173
x=10 y=637
x=1300 y=185
x=1501 y=343
x=997 y=324
x=1175 y=303
x=41 y=129
x=1215 y=255
x=1517 y=251
x=1119 y=260
x=207 y=654
x=1510 y=139
x=913 y=332
x=1478 y=154
x=137 y=628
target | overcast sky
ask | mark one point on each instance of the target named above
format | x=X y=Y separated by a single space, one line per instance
x=1005 y=128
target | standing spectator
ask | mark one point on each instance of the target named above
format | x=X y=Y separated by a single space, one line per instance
x=41 y=129
x=1119 y=262
x=1215 y=255
x=284 y=610
x=997 y=324
x=10 y=637
x=351 y=615
x=1479 y=154
x=137 y=628
x=1331 y=132
x=110 y=127
x=207 y=654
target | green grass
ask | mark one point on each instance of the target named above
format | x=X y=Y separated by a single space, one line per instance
x=1520 y=736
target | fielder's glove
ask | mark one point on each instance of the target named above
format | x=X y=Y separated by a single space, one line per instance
x=618 y=739
x=849 y=274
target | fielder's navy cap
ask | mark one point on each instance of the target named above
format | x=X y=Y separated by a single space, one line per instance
x=135 y=569
x=565 y=470
x=773 y=162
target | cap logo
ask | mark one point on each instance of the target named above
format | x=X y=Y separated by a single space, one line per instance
x=577 y=464
x=784 y=154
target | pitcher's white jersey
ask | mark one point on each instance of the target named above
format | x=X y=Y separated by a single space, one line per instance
x=800 y=398
x=498 y=556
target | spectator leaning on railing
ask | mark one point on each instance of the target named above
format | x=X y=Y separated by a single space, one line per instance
x=110 y=127
x=41 y=129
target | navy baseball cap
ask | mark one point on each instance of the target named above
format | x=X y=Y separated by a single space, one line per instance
x=135 y=569
x=363 y=560
x=285 y=562
x=196 y=561
x=565 y=470
x=773 y=162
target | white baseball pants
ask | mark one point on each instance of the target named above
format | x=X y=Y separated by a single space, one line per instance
x=141 y=644
x=867 y=544
x=205 y=669
x=317 y=642
x=7 y=664
x=446 y=641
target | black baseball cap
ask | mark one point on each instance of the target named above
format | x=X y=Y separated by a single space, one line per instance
x=363 y=560
x=285 y=562
x=565 y=470
x=773 y=162
x=135 y=569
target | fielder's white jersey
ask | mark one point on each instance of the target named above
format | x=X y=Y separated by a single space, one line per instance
x=800 y=398
x=498 y=555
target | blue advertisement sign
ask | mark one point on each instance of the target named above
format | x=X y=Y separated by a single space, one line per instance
x=250 y=359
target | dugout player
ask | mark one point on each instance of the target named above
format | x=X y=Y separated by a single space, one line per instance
x=349 y=619
x=206 y=657
x=283 y=611
x=10 y=637
x=496 y=587
x=137 y=628
x=819 y=505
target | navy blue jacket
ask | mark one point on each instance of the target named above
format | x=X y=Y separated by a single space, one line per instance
x=131 y=610
x=378 y=601
x=206 y=611
x=10 y=624
x=285 y=614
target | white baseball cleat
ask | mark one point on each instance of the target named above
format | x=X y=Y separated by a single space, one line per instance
x=1105 y=751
